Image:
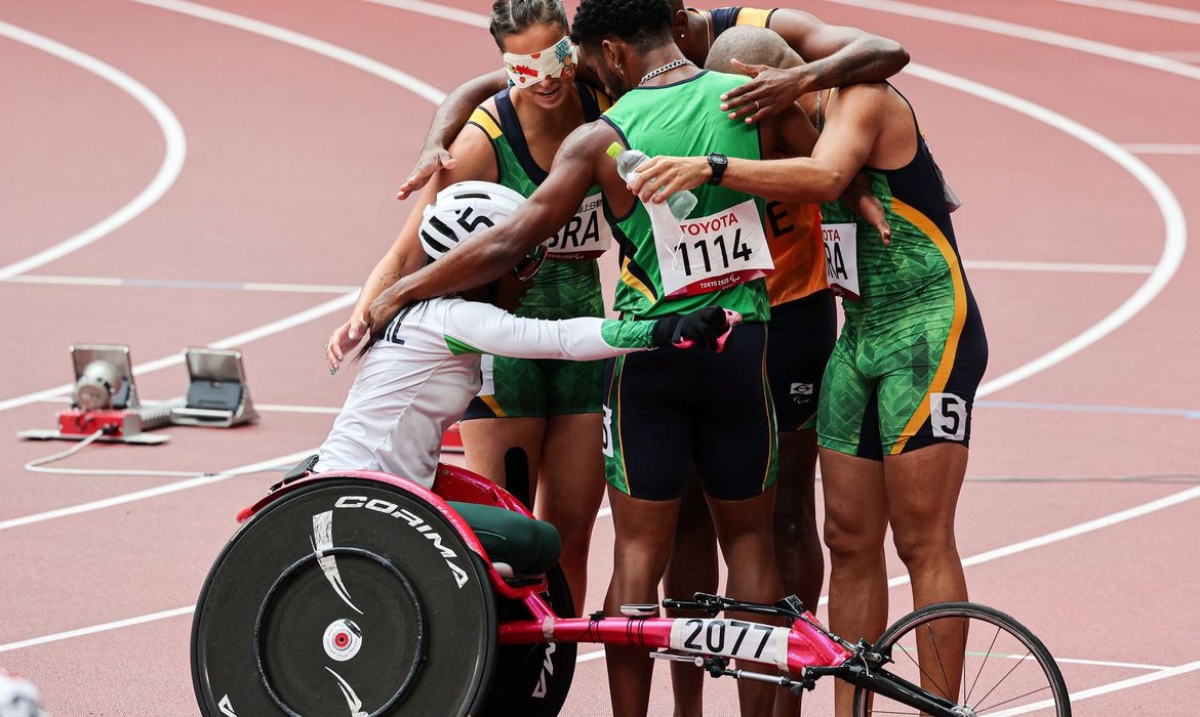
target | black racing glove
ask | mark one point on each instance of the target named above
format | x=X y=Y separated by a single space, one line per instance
x=705 y=328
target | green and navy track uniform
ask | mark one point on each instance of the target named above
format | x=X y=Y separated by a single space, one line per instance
x=514 y=388
x=713 y=410
x=910 y=357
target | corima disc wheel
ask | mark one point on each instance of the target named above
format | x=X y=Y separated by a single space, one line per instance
x=533 y=680
x=344 y=597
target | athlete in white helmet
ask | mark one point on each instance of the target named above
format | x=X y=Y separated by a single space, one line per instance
x=424 y=370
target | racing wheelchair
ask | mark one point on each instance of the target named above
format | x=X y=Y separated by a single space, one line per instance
x=363 y=594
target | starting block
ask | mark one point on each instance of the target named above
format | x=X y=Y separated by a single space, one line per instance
x=105 y=397
x=217 y=393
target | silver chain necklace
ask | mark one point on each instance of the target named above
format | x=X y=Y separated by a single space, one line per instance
x=665 y=68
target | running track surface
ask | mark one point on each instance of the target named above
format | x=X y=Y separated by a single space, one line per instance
x=165 y=163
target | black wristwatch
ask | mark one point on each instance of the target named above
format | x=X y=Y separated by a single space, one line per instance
x=718 y=162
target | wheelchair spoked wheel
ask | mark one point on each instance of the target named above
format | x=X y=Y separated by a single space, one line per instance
x=1004 y=668
x=533 y=680
x=344 y=596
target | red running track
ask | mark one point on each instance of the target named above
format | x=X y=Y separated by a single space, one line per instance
x=189 y=161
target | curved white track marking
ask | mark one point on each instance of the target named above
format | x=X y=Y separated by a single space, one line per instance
x=305 y=42
x=1176 y=236
x=1176 y=225
x=1162 y=148
x=229 y=342
x=171 y=166
x=446 y=13
x=312 y=44
x=1132 y=7
x=1034 y=34
x=260 y=466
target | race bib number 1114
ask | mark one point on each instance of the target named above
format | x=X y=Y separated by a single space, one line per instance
x=706 y=254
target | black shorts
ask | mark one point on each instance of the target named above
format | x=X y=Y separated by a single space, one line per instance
x=666 y=408
x=802 y=337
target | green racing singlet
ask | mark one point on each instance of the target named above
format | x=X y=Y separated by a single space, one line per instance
x=567 y=286
x=719 y=259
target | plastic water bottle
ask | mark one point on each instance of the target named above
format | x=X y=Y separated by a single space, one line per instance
x=681 y=203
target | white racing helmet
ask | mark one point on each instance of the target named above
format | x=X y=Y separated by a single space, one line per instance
x=465 y=208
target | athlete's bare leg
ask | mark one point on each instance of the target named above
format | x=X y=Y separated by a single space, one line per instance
x=923 y=488
x=693 y=568
x=856 y=513
x=797 y=540
x=644 y=529
x=486 y=440
x=744 y=533
x=797 y=549
x=570 y=488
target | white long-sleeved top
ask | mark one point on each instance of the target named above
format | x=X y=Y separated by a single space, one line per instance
x=422 y=374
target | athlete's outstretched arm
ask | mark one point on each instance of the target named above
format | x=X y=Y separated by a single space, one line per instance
x=483 y=328
x=494 y=251
x=451 y=115
x=835 y=56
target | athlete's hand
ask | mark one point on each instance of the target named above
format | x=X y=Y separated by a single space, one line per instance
x=863 y=202
x=342 y=340
x=430 y=161
x=381 y=312
x=659 y=177
x=770 y=92
x=706 y=328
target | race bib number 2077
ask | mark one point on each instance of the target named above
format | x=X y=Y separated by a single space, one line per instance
x=705 y=254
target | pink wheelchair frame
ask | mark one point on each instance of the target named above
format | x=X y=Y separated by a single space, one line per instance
x=799 y=655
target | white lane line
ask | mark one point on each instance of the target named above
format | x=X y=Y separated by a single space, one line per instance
x=1032 y=34
x=1108 y=663
x=168 y=171
x=1165 y=148
x=324 y=410
x=1074 y=531
x=1176 y=235
x=108 y=281
x=1064 y=267
x=1180 y=55
x=1090 y=526
x=177 y=486
x=81 y=632
x=361 y=62
x=1082 y=695
x=1133 y=7
x=312 y=44
x=1174 y=243
x=446 y=13
x=229 y=342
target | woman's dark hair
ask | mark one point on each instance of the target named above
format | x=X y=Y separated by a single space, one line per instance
x=512 y=16
x=645 y=24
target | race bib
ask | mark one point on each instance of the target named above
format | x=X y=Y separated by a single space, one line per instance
x=841 y=259
x=731 y=638
x=705 y=254
x=585 y=237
